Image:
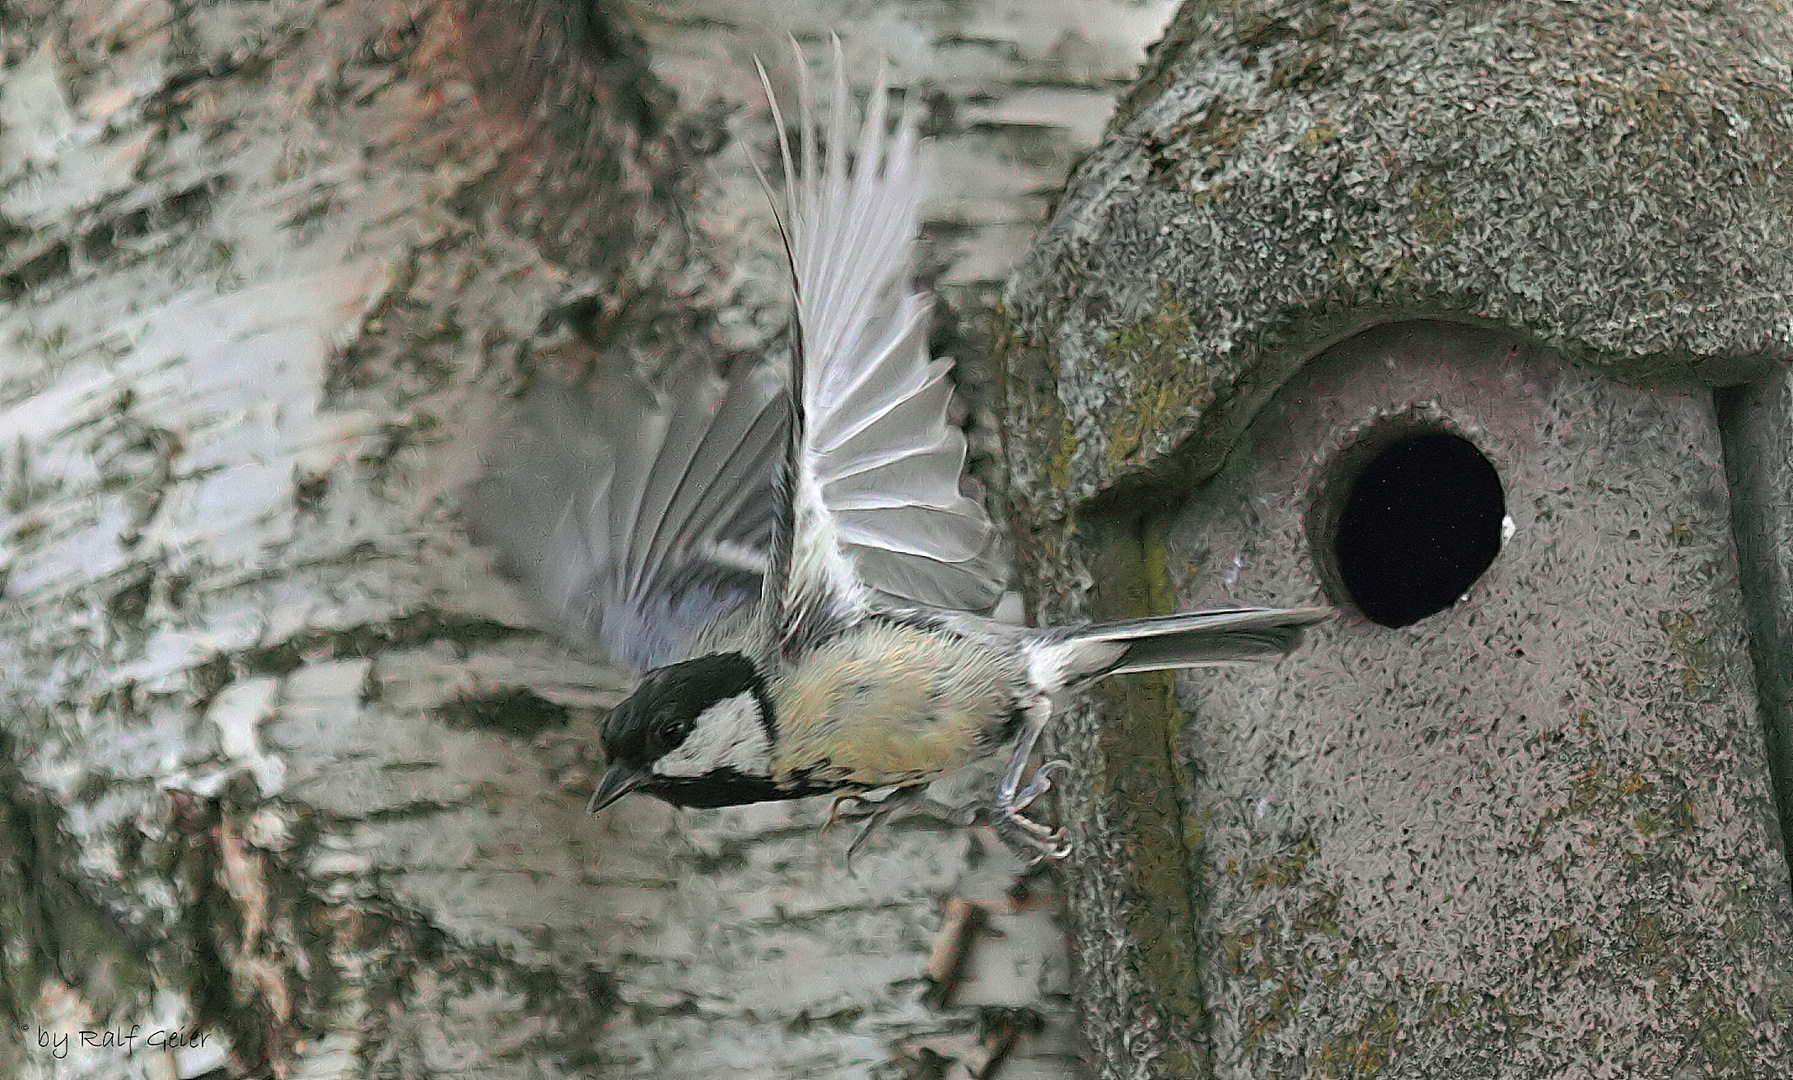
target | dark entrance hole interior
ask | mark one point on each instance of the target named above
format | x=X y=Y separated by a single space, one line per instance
x=1417 y=525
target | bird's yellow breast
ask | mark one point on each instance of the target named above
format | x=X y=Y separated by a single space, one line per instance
x=884 y=704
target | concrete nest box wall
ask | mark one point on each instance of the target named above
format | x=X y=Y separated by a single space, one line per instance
x=1469 y=321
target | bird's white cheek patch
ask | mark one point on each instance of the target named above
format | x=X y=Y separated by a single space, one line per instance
x=727 y=735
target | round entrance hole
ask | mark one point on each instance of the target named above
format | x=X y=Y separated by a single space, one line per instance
x=1414 y=518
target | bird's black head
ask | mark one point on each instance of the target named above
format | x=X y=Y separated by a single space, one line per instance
x=697 y=733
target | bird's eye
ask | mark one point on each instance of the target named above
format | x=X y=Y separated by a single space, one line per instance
x=669 y=731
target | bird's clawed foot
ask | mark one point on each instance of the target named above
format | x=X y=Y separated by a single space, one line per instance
x=875 y=813
x=1024 y=836
x=1027 y=838
x=1040 y=783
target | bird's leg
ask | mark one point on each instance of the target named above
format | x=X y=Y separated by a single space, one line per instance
x=901 y=798
x=1040 y=783
x=1027 y=837
x=834 y=809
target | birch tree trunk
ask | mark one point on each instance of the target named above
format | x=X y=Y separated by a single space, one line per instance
x=290 y=768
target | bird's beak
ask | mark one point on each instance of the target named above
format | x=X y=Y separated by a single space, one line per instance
x=618 y=781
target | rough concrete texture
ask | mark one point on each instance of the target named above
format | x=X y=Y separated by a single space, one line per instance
x=285 y=758
x=1531 y=835
x=1609 y=177
x=1601 y=178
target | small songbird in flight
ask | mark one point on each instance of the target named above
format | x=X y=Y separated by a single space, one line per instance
x=786 y=552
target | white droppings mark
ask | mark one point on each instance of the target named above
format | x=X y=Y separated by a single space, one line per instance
x=268 y=829
x=332 y=863
x=238 y=711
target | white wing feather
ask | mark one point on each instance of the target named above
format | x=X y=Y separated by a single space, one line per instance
x=878 y=505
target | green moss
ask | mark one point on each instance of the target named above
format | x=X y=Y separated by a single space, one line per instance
x=1058 y=467
x=1163 y=383
x=1218 y=131
x=1143 y=783
x=1585 y=790
x=1688 y=641
x=1780 y=998
x=1286 y=868
x=1364 y=1051
x=1271 y=1011
x=1206 y=195
x=1441 y=1002
x=1724 y=1033
x=1433 y=220
x=1648 y=940
x=1320 y=134
x=1033 y=417
x=1052 y=423
x=1741 y=918
x=1289 y=949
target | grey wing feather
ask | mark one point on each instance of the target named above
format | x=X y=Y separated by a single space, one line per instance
x=700 y=490
x=662 y=503
x=876 y=498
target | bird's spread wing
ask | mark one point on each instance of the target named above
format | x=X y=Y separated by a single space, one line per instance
x=663 y=502
x=678 y=506
x=873 y=501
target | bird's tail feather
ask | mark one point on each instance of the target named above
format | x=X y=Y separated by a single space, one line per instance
x=1193 y=639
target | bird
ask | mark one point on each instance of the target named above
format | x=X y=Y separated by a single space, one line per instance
x=785 y=550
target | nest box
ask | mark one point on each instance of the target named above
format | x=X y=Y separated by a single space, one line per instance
x=1469 y=321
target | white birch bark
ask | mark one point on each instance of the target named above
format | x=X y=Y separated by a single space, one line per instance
x=288 y=763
